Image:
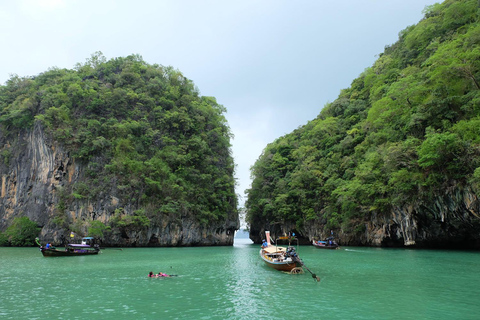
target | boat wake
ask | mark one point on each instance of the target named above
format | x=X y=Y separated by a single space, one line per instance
x=353 y=250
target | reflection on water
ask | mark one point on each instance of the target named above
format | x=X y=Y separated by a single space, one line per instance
x=233 y=283
x=243 y=283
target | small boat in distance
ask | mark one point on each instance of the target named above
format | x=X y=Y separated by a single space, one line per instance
x=280 y=258
x=87 y=247
x=326 y=244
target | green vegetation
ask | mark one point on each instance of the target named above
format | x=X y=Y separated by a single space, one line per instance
x=96 y=229
x=143 y=133
x=136 y=221
x=21 y=233
x=406 y=130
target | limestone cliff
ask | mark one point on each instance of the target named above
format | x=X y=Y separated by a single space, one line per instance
x=39 y=174
x=451 y=220
x=122 y=150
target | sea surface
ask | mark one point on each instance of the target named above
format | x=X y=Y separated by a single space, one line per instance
x=233 y=283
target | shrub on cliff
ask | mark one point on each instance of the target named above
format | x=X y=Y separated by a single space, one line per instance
x=96 y=229
x=3 y=239
x=21 y=233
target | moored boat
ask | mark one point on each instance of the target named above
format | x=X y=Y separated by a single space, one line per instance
x=325 y=244
x=279 y=258
x=87 y=247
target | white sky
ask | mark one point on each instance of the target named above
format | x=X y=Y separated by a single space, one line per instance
x=272 y=63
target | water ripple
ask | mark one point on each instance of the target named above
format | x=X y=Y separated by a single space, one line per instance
x=232 y=283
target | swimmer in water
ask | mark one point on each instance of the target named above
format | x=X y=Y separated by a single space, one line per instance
x=161 y=274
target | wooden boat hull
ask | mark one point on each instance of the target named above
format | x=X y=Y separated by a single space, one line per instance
x=335 y=246
x=327 y=244
x=67 y=253
x=281 y=266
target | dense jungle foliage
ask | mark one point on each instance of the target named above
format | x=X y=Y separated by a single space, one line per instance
x=408 y=128
x=142 y=130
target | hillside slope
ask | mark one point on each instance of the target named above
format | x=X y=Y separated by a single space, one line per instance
x=120 y=149
x=395 y=159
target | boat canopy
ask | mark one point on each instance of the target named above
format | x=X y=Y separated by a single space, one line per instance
x=273 y=249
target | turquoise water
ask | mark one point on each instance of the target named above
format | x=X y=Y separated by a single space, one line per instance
x=233 y=283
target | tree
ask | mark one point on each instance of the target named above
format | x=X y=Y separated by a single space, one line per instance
x=96 y=229
x=22 y=232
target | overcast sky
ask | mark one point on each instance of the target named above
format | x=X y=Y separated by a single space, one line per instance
x=272 y=63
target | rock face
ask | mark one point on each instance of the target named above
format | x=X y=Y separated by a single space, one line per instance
x=33 y=183
x=451 y=220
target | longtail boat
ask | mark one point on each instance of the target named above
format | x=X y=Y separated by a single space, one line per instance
x=325 y=244
x=279 y=258
x=87 y=247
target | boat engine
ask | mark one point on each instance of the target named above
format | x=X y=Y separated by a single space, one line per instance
x=291 y=252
